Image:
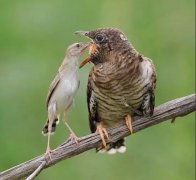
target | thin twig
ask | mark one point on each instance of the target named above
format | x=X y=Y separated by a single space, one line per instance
x=169 y=110
x=37 y=171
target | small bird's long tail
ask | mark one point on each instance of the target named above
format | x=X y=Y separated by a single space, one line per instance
x=45 y=129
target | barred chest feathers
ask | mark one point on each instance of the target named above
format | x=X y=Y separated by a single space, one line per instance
x=124 y=90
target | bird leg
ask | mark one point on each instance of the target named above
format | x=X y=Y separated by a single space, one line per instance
x=48 y=150
x=128 y=121
x=72 y=135
x=101 y=130
x=51 y=117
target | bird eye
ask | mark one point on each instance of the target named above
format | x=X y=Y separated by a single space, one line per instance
x=77 y=45
x=100 y=38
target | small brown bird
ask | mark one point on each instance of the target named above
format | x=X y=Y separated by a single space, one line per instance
x=121 y=84
x=62 y=90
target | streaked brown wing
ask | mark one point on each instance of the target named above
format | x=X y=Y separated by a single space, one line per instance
x=52 y=87
x=154 y=80
x=148 y=103
x=92 y=106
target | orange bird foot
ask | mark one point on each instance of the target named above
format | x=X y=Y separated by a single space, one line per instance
x=101 y=130
x=128 y=121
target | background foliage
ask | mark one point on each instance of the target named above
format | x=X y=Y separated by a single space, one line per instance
x=33 y=39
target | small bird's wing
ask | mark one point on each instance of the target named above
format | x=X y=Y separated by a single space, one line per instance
x=52 y=87
x=92 y=106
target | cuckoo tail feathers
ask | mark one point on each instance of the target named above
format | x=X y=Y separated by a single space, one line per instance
x=113 y=147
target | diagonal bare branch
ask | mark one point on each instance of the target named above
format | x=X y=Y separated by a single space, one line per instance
x=169 y=110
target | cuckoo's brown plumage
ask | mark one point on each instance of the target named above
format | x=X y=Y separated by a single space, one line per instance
x=121 y=82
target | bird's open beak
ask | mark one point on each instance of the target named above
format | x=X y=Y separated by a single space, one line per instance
x=85 y=61
x=82 y=33
x=92 y=50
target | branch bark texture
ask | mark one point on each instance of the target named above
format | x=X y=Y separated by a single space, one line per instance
x=166 y=111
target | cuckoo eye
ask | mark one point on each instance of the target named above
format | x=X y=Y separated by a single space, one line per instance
x=100 y=38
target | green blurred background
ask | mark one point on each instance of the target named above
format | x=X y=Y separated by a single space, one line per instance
x=33 y=38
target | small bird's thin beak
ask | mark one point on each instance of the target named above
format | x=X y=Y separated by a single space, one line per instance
x=82 y=33
x=85 y=45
